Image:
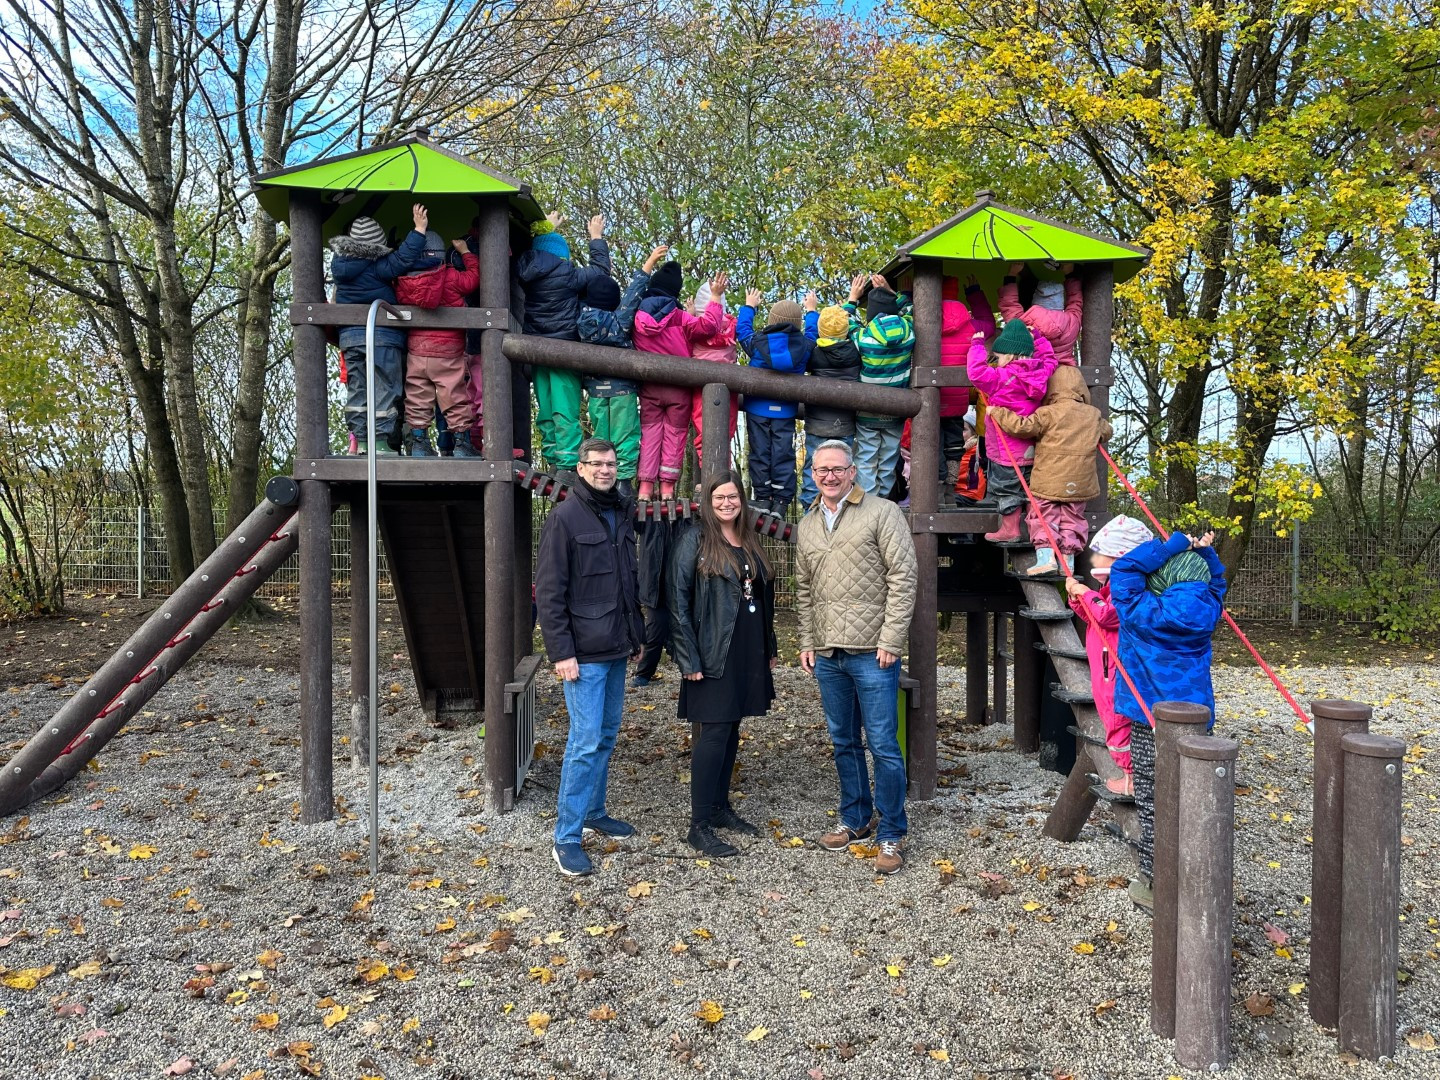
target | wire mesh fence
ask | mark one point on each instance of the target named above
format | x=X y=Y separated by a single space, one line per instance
x=1319 y=571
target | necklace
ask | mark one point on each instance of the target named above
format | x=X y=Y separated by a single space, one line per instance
x=747 y=585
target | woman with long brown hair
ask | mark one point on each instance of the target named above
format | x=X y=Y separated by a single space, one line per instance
x=722 y=636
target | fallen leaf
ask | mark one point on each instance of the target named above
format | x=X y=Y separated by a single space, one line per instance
x=334 y=1016
x=939 y=1055
x=265 y=1022
x=1084 y=948
x=1296 y=988
x=1258 y=1004
x=372 y=970
x=112 y=902
x=93 y=1036
x=86 y=970
x=894 y=970
x=1104 y=1007
x=26 y=978
x=269 y=958
x=538 y=1022
x=710 y=1012
x=181 y=1066
x=517 y=916
x=1420 y=1040
x=1276 y=935
x=403 y=972
x=604 y=1012
x=639 y=889
x=940 y=961
x=144 y=851
x=756 y=1033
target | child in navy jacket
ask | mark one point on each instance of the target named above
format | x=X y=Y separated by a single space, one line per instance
x=784 y=345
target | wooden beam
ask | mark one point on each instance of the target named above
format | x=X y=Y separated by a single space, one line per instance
x=446 y=318
x=462 y=609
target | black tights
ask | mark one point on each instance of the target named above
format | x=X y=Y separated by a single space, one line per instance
x=712 y=760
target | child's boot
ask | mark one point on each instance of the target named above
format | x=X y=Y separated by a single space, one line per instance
x=667 y=489
x=464 y=448
x=1068 y=564
x=1044 y=562
x=647 y=490
x=1009 y=530
x=417 y=442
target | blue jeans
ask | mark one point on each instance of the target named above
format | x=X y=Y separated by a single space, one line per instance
x=596 y=702
x=858 y=694
x=809 y=492
x=389 y=381
x=877 y=453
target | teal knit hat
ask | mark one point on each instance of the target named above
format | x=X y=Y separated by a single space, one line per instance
x=1014 y=340
x=1187 y=566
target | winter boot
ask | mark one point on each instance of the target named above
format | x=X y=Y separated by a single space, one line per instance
x=626 y=488
x=1009 y=530
x=417 y=442
x=464 y=448
x=352 y=445
x=1044 y=563
x=647 y=490
x=1067 y=564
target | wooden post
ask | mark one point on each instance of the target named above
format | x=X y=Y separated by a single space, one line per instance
x=1206 y=872
x=1097 y=297
x=500 y=555
x=977 y=634
x=1027 y=686
x=925 y=499
x=524 y=522
x=715 y=429
x=360 y=541
x=1000 y=670
x=1173 y=719
x=1370 y=902
x=1333 y=720
x=1073 y=807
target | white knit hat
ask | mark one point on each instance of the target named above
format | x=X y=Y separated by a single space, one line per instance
x=1050 y=295
x=703 y=298
x=1120 y=536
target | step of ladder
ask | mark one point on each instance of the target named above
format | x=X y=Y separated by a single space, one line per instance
x=1061 y=692
x=1046 y=615
x=1068 y=654
x=1084 y=737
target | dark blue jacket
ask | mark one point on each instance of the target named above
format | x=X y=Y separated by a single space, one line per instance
x=779 y=347
x=613 y=328
x=553 y=288
x=364 y=273
x=1165 y=639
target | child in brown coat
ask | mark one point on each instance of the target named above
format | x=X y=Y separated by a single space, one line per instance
x=1066 y=429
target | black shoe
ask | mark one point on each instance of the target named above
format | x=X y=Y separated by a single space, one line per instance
x=703 y=839
x=625 y=488
x=726 y=818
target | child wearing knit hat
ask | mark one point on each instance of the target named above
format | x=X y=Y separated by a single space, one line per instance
x=785 y=345
x=885 y=338
x=836 y=357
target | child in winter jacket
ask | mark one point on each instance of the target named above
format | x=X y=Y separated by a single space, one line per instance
x=553 y=286
x=1066 y=429
x=1016 y=381
x=663 y=326
x=364 y=269
x=608 y=318
x=719 y=349
x=970 y=483
x=1169 y=595
x=1054 y=311
x=785 y=345
x=435 y=370
x=959 y=322
x=1119 y=536
x=836 y=357
x=886 y=340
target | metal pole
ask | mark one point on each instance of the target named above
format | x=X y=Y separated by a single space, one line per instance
x=361 y=541
x=1333 y=721
x=1295 y=574
x=1027 y=684
x=372 y=587
x=1173 y=719
x=977 y=639
x=140 y=550
x=1206 y=874
x=1369 y=937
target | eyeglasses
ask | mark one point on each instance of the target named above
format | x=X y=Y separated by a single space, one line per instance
x=725 y=498
x=607 y=465
x=838 y=470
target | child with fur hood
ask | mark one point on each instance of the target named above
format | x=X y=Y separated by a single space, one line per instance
x=663 y=326
x=1054 y=311
x=1016 y=381
x=435 y=367
x=365 y=269
x=1066 y=428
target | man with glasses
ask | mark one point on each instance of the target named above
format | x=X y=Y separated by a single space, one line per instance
x=855 y=578
x=586 y=599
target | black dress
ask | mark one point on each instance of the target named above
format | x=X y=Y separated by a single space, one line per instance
x=746 y=688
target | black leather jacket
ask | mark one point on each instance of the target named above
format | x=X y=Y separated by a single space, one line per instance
x=703 y=610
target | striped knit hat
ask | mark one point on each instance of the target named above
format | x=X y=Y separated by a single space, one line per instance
x=366 y=230
x=1187 y=566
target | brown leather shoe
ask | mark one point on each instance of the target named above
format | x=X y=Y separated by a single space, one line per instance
x=890 y=859
x=841 y=838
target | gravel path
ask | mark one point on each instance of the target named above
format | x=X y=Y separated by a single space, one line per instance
x=169 y=907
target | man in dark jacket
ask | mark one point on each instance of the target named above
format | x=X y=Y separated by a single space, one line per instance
x=553 y=287
x=587 y=600
x=365 y=269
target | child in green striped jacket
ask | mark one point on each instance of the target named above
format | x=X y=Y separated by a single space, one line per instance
x=886 y=340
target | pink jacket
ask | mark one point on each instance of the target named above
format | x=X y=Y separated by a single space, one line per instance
x=442 y=286
x=1061 y=327
x=1102 y=636
x=957 y=326
x=675 y=333
x=717 y=347
x=1019 y=386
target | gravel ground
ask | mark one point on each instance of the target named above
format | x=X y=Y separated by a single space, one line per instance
x=169 y=913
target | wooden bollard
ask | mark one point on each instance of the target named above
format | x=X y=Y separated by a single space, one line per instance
x=1206 y=894
x=1370 y=900
x=1173 y=720
x=1333 y=721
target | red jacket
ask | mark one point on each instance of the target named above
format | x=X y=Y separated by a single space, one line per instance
x=443 y=286
x=958 y=324
x=1060 y=328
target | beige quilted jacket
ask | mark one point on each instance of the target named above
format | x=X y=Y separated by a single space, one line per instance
x=855 y=586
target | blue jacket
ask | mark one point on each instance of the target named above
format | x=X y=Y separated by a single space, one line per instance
x=613 y=328
x=365 y=273
x=553 y=288
x=1165 y=639
x=779 y=347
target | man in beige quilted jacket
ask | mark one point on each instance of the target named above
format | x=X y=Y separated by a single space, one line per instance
x=855 y=577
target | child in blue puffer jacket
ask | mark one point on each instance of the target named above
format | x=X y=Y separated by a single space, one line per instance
x=785 y=345
x=365 y=269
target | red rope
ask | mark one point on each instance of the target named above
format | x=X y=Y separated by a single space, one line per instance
x=1229 y=619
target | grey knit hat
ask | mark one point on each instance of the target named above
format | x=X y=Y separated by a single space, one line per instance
x=366 y=230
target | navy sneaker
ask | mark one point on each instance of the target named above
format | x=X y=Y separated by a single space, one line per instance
x=639 y=680
x=606 y=825
x=572 y=860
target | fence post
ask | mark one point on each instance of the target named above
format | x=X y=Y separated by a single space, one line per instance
x=1206 y=897
x=140 y=550
x=1295 y=574
x=1333 y=721
x=1370 y=895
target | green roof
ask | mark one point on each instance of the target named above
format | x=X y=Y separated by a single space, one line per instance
x=383 y=181
x=986 y=231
